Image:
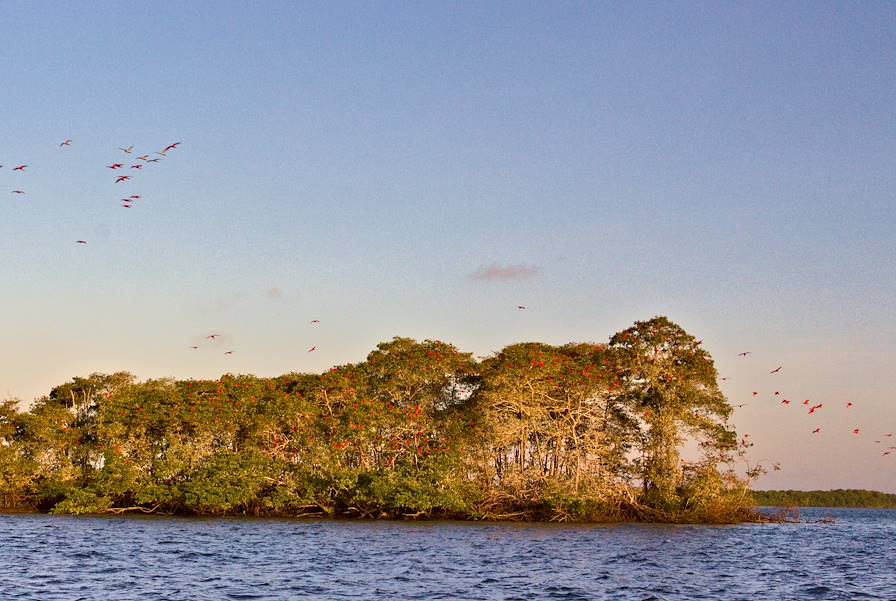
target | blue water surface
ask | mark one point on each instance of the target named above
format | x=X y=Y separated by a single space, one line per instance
x=45 y=558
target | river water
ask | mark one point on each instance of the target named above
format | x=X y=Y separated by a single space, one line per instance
x=44 y=558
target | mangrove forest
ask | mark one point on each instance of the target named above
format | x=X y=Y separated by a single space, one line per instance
x=578 y=432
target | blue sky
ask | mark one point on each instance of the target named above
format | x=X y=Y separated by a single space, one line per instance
x=728 y=166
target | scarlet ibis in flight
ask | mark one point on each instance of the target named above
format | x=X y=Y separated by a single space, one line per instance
x=137 y=166
x=313 y=348
x=315 y=321
x=17 y=192
x=114 y=166
x=122 y=178
x=776 y=370
x=755 y=393
x=816 y=430
x=65 y=143
x=134 y=197
x=228 y=352
x=855 y=431
x=19 y=168
x=127 y=150
x=170 y=147
x=143 y=157
x=848 y=405
x=81 y=241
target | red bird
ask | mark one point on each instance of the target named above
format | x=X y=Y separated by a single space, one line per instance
x=134 y=197
x=776 y=370
x=19 y=168
x=17 y=192
x=137 y=166
x=806 y=402
x=315 y=321
x=816 y=430
x=122 y=178
x=777 y=393
x=312 y=349
x=228 y=353
x=114 y=166
x=66 y=143
x=212 y=336
x=785 y=402
x=755 y=393
x=170 y=147
x=126 y=204
x=855 y=431
x=848 y=405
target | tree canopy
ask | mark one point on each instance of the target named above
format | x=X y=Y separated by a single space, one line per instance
x=582 y=431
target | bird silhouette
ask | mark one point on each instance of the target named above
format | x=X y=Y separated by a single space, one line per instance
x=127 y=150
x=122 y=178
x=776 y=370
x=20 y=168
x=745 y=353
x=81 y=241
x=65 y=143
x=312 y=349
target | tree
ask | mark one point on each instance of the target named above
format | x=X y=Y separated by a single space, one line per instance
x=668 y=382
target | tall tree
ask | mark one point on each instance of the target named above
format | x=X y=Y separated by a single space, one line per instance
x=669 y=384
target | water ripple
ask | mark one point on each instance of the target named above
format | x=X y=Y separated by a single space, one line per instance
x=46 y=558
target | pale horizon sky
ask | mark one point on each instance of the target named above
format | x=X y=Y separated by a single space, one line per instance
x=422 y=169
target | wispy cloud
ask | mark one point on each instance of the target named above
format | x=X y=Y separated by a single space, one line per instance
x=503 y=273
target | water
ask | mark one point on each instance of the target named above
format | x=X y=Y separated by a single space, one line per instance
x=45 y=558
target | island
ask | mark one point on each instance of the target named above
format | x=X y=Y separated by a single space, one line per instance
x=586 y=432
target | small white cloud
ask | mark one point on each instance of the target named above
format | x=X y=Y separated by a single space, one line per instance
x=503 y=273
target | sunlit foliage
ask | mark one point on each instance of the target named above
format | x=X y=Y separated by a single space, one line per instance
x=419 y=429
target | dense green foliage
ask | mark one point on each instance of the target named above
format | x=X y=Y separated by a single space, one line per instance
x=419 y=429
x=825 y=498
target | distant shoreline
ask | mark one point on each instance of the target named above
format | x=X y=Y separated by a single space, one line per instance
x=837 y=498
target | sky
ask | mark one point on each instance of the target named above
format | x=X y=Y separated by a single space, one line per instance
x=421 y=169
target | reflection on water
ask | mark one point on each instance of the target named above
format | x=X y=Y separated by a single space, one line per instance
x=47 y=558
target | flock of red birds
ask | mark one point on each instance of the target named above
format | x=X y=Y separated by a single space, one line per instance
x=144 y=159
x=134 y=165
x=812 y=409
